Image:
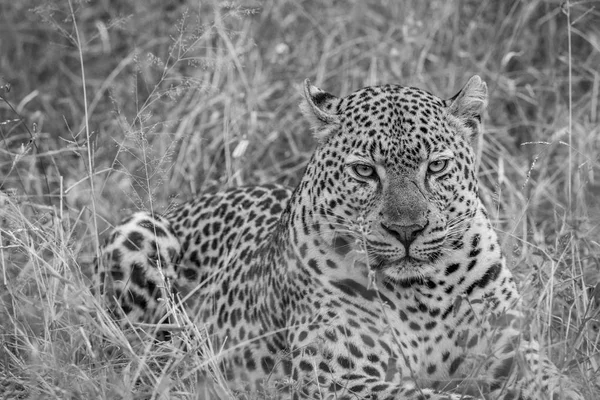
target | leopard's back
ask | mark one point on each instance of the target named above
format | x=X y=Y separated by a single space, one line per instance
x=149 y=257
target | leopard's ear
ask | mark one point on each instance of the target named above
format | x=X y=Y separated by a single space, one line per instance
x=468 y=106
x=320 y=108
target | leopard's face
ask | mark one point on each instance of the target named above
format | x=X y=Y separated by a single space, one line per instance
x=394 y=178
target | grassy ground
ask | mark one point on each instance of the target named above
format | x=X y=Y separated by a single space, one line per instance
x=109 y=106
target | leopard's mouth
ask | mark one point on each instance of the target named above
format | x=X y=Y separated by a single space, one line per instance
x=406 y=262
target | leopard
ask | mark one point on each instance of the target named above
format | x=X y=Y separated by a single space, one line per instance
x=379 y=276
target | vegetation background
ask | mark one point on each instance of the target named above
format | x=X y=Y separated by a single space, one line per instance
x=111 y=106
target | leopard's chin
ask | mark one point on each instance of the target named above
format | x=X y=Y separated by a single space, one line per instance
x=406 y=270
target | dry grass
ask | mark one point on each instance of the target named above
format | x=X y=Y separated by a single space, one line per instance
x=116 y=106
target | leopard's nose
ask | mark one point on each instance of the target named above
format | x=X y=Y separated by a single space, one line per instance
x=405 y=234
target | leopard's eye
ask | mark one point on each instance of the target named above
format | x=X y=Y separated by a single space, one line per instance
x=364 y=171
x=437 y=166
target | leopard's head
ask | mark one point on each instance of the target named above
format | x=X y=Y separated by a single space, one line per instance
x=393 y=173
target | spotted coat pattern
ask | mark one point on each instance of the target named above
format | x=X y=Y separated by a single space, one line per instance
x=378 y=277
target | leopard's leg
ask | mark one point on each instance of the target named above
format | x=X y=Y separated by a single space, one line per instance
x=517 y=366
